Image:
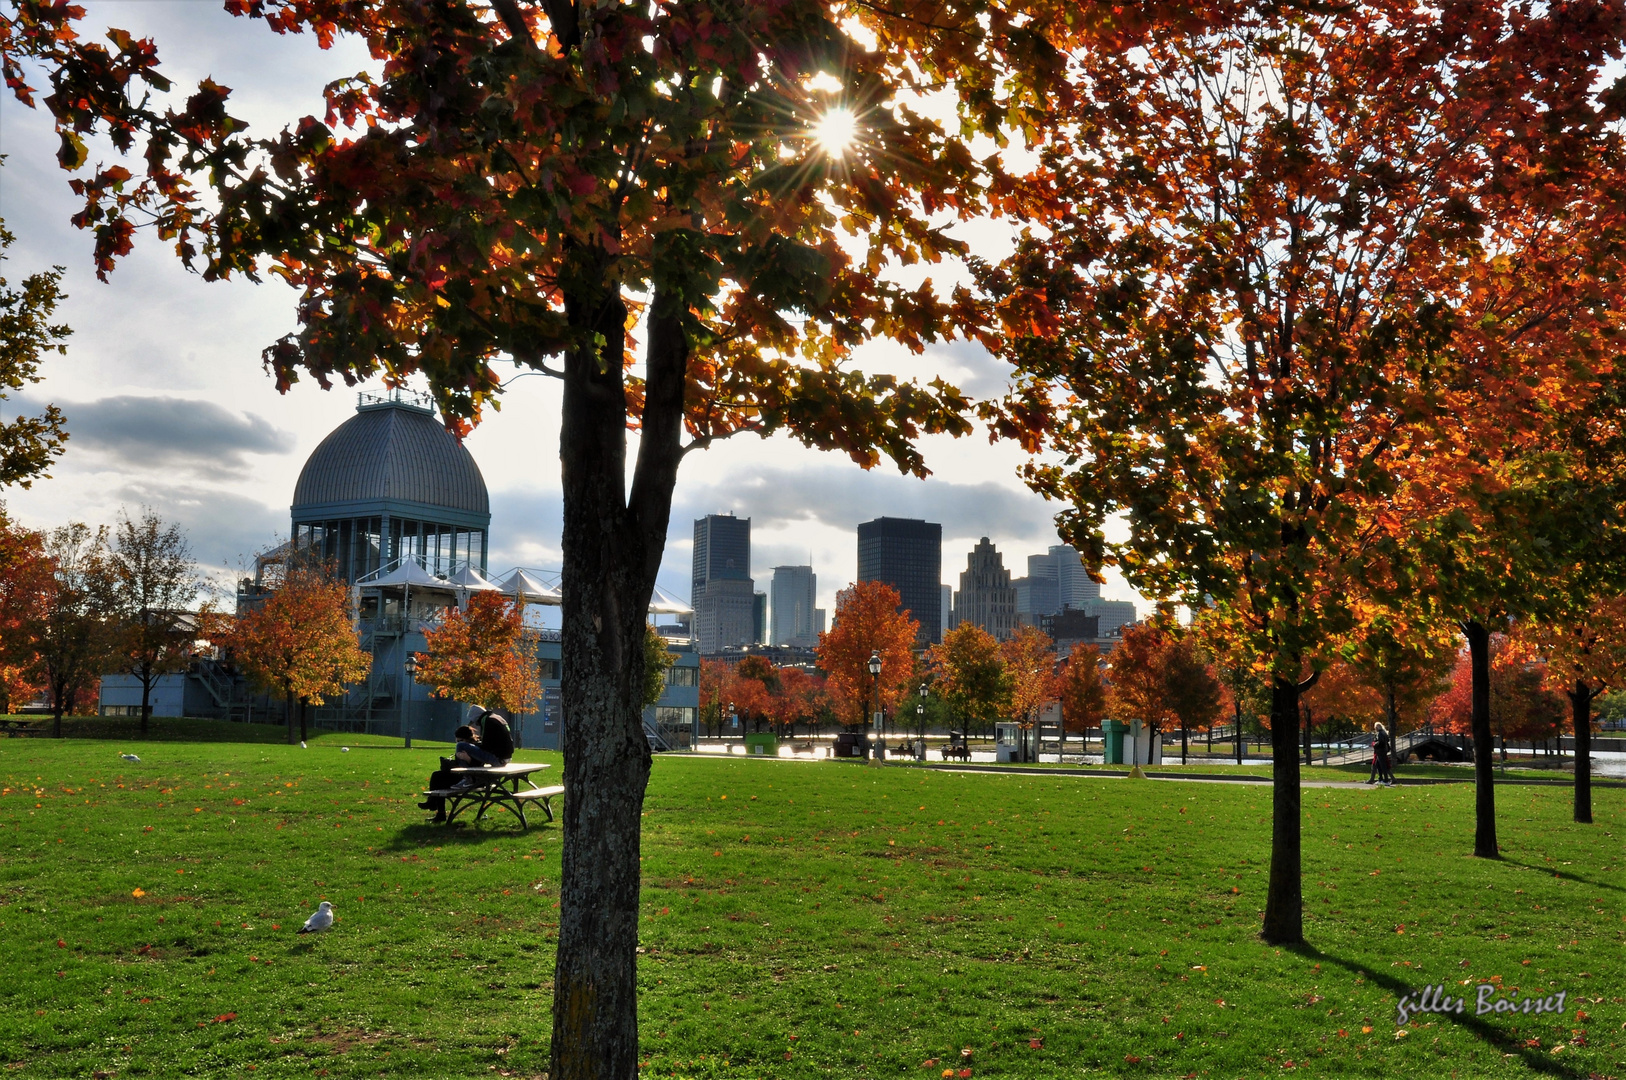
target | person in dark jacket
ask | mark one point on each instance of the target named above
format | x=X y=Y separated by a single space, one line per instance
x=496 y=736
x=1383 y=748
x=469 y=752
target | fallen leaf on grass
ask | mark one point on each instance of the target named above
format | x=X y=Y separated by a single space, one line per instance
x=138 y=893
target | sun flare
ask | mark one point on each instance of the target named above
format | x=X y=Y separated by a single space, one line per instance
x=836 y=131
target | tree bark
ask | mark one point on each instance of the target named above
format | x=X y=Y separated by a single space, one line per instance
x=1581 y=710
x=1484 y=778
x=1284 y=900
x=146 y=696
x=288 y=715
x=613 y=540
x=304 y=705
x=58 y=691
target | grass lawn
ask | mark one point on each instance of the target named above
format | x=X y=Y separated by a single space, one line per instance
x=801 y=919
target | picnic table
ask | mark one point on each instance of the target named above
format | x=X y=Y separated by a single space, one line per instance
x=485 y=786
x=18 y=725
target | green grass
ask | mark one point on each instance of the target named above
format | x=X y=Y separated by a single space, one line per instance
x=800 y=919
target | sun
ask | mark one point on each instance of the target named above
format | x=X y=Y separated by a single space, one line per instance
x=836 y=131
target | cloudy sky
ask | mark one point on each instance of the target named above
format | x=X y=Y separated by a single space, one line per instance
x=169 y=408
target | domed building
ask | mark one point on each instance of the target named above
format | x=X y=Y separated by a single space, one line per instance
x=390 y=484
x=398 y=509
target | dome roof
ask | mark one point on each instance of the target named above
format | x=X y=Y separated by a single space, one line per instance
x=393 y=450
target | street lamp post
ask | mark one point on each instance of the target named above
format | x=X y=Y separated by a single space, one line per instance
x=733 y=722
x=920 y=716
x=875 y=674
x=409 y=668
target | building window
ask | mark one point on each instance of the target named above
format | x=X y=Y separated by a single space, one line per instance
x=682 y=676
x=674 y=716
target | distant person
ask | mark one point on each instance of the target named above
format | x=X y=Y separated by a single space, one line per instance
x=469 y=752
x=1383 y=755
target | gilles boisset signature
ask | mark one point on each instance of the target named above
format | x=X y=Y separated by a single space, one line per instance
x=1433 y=999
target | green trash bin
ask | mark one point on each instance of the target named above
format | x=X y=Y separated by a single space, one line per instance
x=762 y=742
x=1112 y=735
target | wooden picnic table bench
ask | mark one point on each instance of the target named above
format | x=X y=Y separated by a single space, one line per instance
x=485 y=786
x=16 y=726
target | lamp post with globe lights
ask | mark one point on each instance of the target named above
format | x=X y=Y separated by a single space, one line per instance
x=875 y=674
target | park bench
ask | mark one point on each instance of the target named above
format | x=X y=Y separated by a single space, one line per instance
x=496 y=785
x=19 y=727
x=960 y=751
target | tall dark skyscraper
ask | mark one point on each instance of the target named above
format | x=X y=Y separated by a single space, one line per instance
x=907 y=555
x=722 y=593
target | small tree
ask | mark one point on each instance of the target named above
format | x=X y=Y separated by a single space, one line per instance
x=1083 y=691
x=1030 y=663
x=971 y=676
x=1585 y=658
x=867 y=622
x=70 y=628
x=153 y=578
x=485 y=656
x=658 y=660
x=300 y=642
x=1191 y=691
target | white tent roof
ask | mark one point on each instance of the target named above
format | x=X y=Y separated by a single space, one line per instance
x=408 y=573
x=663 y=603
x=470 y=578
x=527 y=587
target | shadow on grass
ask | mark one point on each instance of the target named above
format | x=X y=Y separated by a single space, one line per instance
x=1564 y=874
x=1508 y=1045
x=460 y=832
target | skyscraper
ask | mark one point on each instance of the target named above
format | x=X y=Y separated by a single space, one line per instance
x=908 y=555
x=1058 y=582
x=986 y=595
x=723 y=595
x=795 y=616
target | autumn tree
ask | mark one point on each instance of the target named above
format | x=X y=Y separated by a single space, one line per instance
x=71 y=628
x=1135 y=678
x=1231 y=334
x=867 y=623
x=484 y=655
x=971 y=676
x=1083 y=692
x=1192 y=692
x=1406 y=662
x=525 y=181
x=28 y=444
x=1030 y=664
x=1585 y=657
x=301 y=642
x=26 y=586
x=153 y=581
x=658 y=660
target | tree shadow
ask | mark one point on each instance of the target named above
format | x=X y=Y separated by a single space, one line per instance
x=1565 y=874
x=463 y=832
x=1503 y=1042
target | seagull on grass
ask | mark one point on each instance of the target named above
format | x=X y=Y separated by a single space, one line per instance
x=321 y=919
x=302 y=745
x=129 y=757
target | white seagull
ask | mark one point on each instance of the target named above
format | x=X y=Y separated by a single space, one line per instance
x=321 y=920
x=344 y=749
x=302 y=745
x=129 y=757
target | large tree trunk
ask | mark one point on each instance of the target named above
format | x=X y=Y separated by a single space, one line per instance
x=304 y=706
x=288 y=715
x=1581 y=710
x=1284 y=902
x=1484 y=779
x=613 y=542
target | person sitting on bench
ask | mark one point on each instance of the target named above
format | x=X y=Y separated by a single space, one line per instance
x=469 y=752
x=496 y=738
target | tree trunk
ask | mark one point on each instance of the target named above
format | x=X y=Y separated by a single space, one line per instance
x=146 y=697
x=1238 y=732
x=1284 y=902
x=304 y=706
x=1581 y=710
x=1484 y=779
x=59 y=688
x=288 y=715
x=1309 y=728
x=613 y=540
x=1182 y=742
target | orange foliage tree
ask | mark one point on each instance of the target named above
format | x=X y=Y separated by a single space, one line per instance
x=867 y=622
x=1082 y=690
x=971 y=675
x=1030 y=664
x=300 y=642
x=1585 y=656
x=484 y=655
x=25 y=582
